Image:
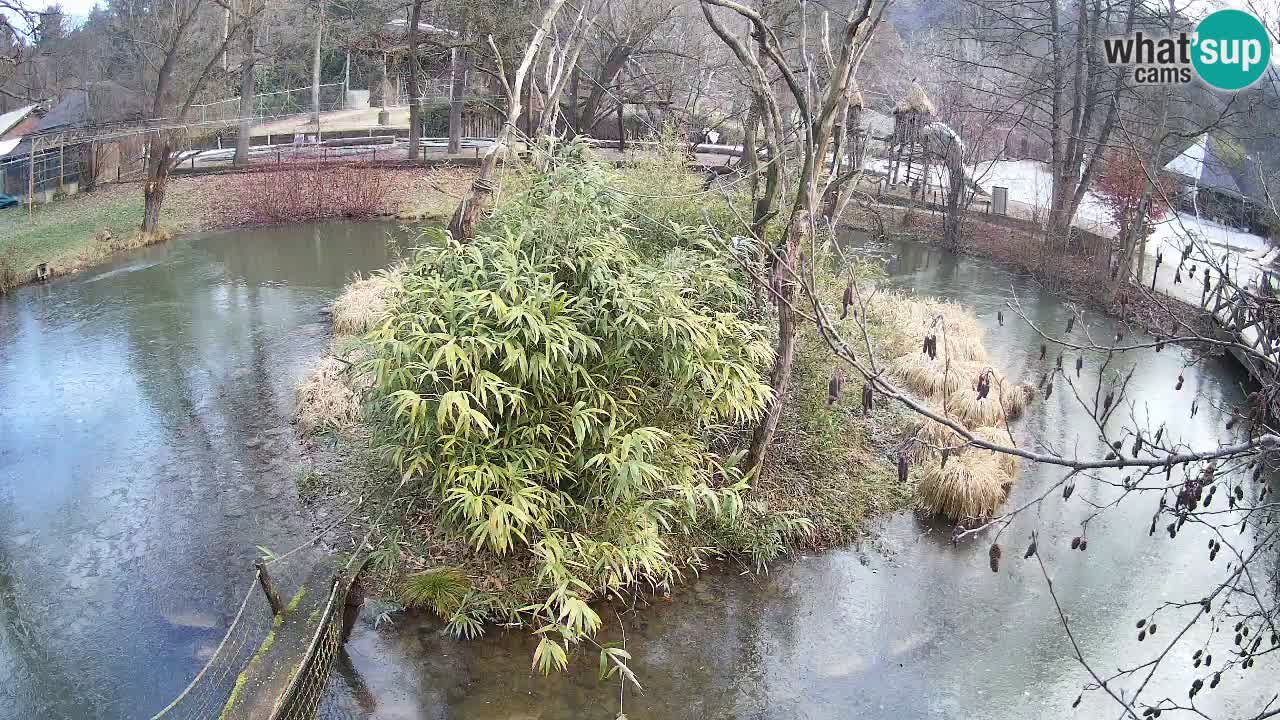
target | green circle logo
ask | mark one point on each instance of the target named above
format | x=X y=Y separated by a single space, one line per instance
x=1231 y=50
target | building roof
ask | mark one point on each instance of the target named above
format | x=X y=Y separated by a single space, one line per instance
x=7 y=146
x=1202 y=164
x=10 y=120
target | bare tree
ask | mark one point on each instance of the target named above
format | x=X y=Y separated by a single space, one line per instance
x=818 y=107
x=315 y=69
x=248 y=87
x=1046 y=64
x=415 y=69
x=175 y=59
x=560 y=63
x=621 y=32
x=463 y=225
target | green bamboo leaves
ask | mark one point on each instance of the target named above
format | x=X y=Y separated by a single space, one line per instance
x=556 y=385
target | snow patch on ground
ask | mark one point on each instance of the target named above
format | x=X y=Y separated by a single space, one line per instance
x=1031 y=183
x=1180 y=227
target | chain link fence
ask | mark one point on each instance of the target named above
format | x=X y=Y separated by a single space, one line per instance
x=301 y=700
x=295 y=101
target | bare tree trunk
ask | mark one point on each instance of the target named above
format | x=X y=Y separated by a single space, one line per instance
x=954 y=216
x=415 y=102
x=463 y=225
x=153 y=193
x=315 y=73
x=457 y=97
x=750 y=158
x=575 y=105
x=560 y=67
x=384 y=85
x=248 y=91
x=785 y=355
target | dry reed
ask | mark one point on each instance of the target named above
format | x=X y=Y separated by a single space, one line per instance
x=930 y=378
x=959 y=334
x=969 y=487
x=973 y=483
x=999 y=436
x=326 y=399
x=975 y=412
x=362 y=304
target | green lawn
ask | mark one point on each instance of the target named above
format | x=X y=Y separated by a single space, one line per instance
x=65 y=233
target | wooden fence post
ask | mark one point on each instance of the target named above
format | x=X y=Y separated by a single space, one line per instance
x=267 y=587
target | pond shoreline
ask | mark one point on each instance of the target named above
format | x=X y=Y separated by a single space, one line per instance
x=1141 y=312
x=92 y=229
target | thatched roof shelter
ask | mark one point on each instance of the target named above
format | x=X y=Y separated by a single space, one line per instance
x=917 y=101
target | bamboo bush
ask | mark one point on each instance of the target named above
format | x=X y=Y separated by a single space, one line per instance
x=559 y=394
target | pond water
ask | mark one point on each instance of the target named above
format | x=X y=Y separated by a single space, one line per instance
x=145 y=451
x=906 y=627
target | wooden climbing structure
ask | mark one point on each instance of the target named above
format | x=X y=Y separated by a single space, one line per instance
x=908 y=159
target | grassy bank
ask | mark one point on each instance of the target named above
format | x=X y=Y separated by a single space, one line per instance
x=88 y=229
x=82 y=231
x=562 y=407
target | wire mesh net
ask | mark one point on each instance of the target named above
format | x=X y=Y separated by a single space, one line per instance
x=294 y=101
x=215 y=684
x=302 y=700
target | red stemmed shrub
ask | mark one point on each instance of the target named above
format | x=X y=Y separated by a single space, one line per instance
x=300 y=192
x=1120 y=188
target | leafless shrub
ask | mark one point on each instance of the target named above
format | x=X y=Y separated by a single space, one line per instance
x=300 y=192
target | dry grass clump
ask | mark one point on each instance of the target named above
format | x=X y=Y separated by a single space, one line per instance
x=973 y=483
x=1000 y=436
x=362 y=303
x=932 y=377
x=930 y=438
x=916 y=101
x=326 y=399
x=975 y=412
x=329 y=398
x=971 y=486
x=960 y=337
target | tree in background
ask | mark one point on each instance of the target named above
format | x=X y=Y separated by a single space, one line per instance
x=17 y=25
x=1123 y=187
x=169 y=53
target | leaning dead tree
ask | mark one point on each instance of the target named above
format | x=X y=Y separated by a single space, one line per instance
x=480 y=198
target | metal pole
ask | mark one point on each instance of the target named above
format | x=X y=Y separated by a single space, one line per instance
x=31 y=179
